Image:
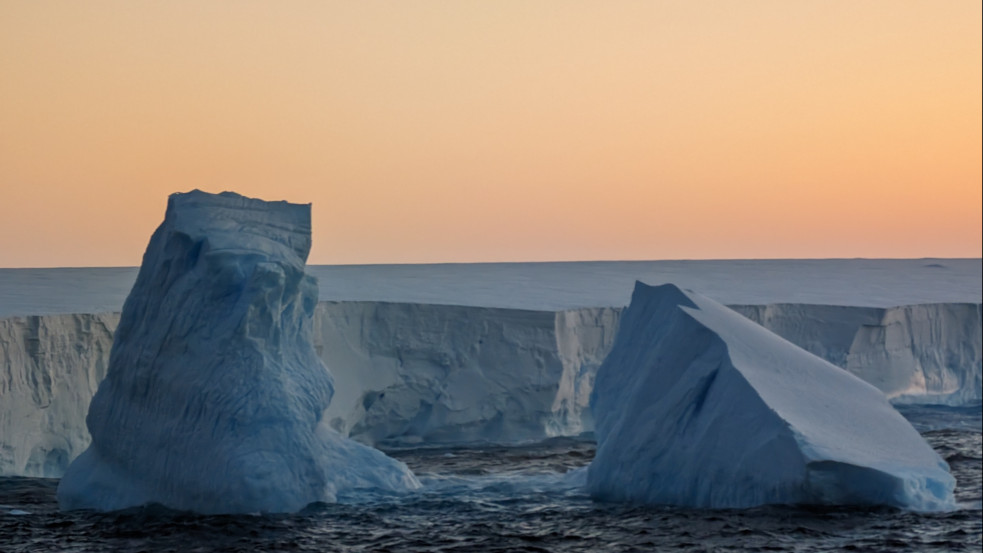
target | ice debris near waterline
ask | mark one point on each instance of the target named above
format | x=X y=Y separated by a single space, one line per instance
x=214 y=396
x=697 y=406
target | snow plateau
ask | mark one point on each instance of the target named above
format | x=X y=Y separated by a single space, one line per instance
x=697 y=406
x=214 y=397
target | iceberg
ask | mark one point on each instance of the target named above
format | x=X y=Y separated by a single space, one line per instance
x=698 y=406
x=213 y=398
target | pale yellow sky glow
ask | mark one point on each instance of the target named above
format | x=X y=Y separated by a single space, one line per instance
x=501 y=130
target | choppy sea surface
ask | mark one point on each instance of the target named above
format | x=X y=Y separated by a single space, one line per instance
x=527 y=499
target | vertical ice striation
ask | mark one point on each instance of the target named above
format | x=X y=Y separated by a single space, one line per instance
x=696 y=405
x=214 y=396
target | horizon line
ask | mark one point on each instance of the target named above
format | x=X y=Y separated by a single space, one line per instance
x=434 y=263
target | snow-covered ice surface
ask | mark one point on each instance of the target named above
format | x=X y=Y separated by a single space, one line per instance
x=214 y=395
x=697 y=406
x=553 y=286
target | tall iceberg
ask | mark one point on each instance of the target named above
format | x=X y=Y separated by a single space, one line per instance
x=698 y=406
x=214 y=396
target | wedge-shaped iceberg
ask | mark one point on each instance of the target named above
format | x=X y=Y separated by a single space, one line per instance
x=698 y=406
x=214 y=396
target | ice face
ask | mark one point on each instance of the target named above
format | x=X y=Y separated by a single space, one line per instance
x=214 y=396
x=398 y=368
x=695 y=405
x=916 y=354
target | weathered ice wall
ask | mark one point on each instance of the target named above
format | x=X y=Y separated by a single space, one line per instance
x=408 y=374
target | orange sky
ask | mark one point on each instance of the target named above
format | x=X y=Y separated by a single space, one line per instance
x=499 y=130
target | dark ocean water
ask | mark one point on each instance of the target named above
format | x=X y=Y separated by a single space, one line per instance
x=516 y=499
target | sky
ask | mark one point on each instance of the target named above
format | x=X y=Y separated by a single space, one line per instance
x=500 y=130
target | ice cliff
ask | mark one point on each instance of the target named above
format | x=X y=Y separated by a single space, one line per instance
x=50 y=366
x=697 y=406
x=444 y=374
x=915 y=354
x=214 y=397
x=400 y=368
